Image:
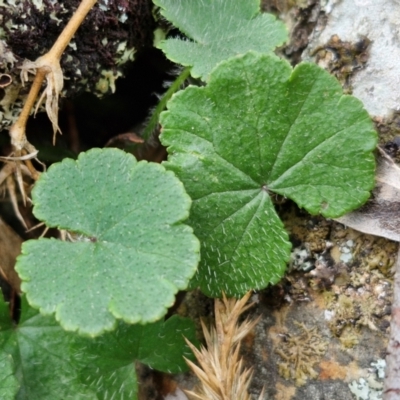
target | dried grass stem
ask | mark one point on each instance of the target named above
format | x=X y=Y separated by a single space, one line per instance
x=221 y=372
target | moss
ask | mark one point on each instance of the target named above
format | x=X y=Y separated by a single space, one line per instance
x=299 y=353
x=363 y=303
x=389 y=134
x=380 y=254
x=349 y=338
x=345 y=313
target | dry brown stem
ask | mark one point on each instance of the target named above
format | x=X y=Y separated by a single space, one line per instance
x=45 y=67
x=7 y=181
x=220 y=371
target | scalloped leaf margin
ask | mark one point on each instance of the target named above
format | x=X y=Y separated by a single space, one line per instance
x=259 y=127
x=131 y=251
x=219 y=29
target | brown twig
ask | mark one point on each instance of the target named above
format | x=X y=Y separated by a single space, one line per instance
x=69 y=31
x=17 y=130
x=47 y=66
x=391 y=390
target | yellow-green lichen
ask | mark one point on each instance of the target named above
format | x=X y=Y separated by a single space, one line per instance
x=299 y=352
x=349 y=338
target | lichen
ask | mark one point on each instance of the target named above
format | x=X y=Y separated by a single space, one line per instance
x=8 y=94
x=371 y=387
x=363 y=303
x=381 y=254
x=299 y=353
x=349 y=338
x=345 y=313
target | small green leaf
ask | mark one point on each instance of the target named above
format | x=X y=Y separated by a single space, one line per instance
x=257 y=128
x=162 y=344
x=8 y=382
x=159 y=345
x=220 y=29
x=132 y=253
x=52 y=364
x=44 y=365
x=107 y=362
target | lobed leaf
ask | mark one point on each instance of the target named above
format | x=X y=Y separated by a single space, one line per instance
x=132 y=252
x=8 y=382
x=52 y=364
x=260 y=128
x=219 y=29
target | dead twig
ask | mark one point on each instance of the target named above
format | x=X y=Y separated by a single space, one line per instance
x=45 y=67
x=7 y=180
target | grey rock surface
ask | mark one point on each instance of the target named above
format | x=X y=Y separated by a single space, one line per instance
x=378 y=84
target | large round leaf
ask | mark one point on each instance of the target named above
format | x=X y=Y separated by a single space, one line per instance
x=132 y=253
x=259 y=128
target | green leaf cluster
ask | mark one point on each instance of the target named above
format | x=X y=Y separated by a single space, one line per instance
x=128 y=252
x=50 y=363
x=257 y=129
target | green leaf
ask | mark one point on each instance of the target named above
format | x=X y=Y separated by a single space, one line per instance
x=160 y=345
x=259 y=128
x=219 y=29
x=52 y=364
x=44 y=365
x=107 y=362
x=8 y=382
x=132 y=253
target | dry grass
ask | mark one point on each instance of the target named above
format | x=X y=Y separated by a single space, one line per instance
x=220 y=371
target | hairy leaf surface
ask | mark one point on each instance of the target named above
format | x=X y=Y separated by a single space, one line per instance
x=52 y=364
x=260 y=128
x=8 y=382
x=131 y=252
x=219 y=29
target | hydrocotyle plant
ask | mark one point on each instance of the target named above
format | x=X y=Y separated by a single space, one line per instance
x=131 y=251
x=40 y=360
x=218 y=29
x=260 y=127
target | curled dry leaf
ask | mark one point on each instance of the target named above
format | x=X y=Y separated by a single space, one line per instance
x=55 y=82
x=124 y=139
x=380 y=216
